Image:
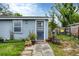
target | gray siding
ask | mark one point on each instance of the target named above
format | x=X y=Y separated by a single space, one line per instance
x=27 y=26
x=5 y=28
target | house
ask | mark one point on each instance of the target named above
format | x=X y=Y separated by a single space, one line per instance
x=21 y=26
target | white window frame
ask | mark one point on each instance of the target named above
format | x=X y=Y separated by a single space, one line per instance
x=17 y=26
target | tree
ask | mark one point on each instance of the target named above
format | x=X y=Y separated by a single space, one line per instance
x=17 y=14
x=66 y=10
x=52 y=24
x=75 y=17
x=4 y=10
x=3 y=6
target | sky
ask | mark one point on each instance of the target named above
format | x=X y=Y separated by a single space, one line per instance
x=31 y=9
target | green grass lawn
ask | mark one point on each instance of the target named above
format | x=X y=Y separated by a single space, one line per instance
x=11 y=48
x=68 y=38
x=58 y=49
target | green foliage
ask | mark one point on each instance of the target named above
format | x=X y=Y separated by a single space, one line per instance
x=52 y=25
x=58 y=49
x=1 y=40
x=17 y=14
x=50 y=35
x=64 y=23
x=67 y=38
x=75 y=17
x=67 y=12
x=32 y=36
x=4 y=7
x=11 y=48
x=11 y=35
x=13 y=41
x=4 y=10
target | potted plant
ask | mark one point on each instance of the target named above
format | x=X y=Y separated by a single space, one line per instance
x=1 y=39
x=32 y=37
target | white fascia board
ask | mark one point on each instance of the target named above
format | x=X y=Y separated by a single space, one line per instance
x=24 y=18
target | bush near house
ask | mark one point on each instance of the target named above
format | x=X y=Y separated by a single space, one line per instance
x=30 y=40
x=69 y=46
x=11 y=47
x=32 y=37
x=1 y=40
x=53 y=39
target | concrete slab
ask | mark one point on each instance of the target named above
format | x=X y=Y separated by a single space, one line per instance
x=39 y=49
x=27 y=53
x=42 y=49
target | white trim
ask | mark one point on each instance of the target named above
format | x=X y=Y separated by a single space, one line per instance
x=44 y=27
x=44 y=30
x=13 y=26
x=47 y=29
x=35 y=28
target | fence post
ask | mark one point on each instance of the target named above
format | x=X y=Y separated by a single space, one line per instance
x=70 y=31
x=65 y=30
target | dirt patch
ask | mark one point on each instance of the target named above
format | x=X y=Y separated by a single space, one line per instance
x=65 y=44
x=69 y=49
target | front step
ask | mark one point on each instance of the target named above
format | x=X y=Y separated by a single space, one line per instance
x=40 y=41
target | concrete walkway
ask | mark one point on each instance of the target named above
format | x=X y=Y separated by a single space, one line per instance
x=39 y=49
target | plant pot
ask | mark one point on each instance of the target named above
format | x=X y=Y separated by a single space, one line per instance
x=33 y=42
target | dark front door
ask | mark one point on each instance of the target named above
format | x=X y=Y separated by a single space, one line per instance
x=40 y=30
x=40 y=35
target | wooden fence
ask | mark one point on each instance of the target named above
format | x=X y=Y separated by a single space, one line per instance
x=71 y=30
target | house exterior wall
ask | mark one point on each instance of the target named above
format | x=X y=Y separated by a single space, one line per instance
x=5 y=28
x=27 y=26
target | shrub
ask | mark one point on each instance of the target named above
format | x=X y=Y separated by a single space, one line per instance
x=24 y=39
x=13 y=41
x=50 y=37
x=32 y=36
x=11 y=36
x=56 y=41
x=1 y=39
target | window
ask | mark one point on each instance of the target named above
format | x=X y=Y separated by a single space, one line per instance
x=17 y=26
x=40 y=24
